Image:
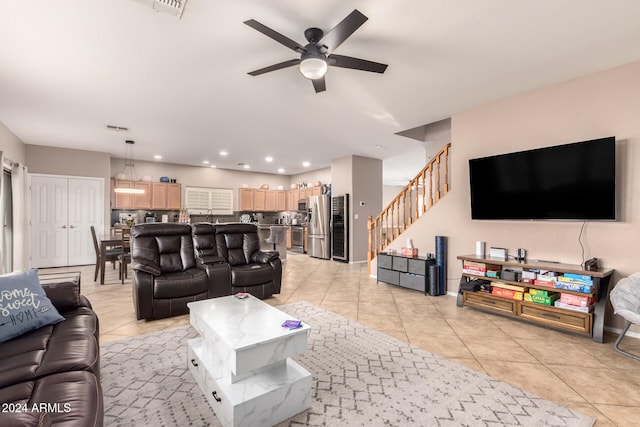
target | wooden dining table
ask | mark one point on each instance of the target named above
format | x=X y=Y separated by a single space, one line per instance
x=107 y=241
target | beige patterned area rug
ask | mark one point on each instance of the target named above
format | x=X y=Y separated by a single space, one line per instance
x=361 y=377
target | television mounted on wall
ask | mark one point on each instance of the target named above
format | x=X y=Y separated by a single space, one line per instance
x=574 y=181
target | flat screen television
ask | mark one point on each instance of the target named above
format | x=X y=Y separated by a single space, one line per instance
x=564 y=182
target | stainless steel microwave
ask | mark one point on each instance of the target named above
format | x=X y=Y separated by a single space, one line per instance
x=303 y=205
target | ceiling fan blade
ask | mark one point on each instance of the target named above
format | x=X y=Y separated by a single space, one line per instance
x=275 y=67
x=319 y=84
x=356 y=63
x=343 y=30
x=284 y=40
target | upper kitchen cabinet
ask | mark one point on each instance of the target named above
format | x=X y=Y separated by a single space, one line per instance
x=166 y=196
x=259 y=200
x=245 y=199
x=156 y=195
x=131 y=201
x=292 y=200
x=305 y=193
x=281 y=201
x=270 y=200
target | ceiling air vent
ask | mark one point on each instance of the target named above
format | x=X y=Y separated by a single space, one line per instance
x=172 y=7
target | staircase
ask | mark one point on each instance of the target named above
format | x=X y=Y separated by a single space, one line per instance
x=419 y=195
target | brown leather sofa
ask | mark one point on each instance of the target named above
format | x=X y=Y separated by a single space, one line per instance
x=253 y=271
x=166 y=275
x=51 y=376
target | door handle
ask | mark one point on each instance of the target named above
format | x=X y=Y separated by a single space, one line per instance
x=64 y=226
x=72 y=226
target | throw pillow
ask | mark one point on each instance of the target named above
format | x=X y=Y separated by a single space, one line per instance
x=24 y=305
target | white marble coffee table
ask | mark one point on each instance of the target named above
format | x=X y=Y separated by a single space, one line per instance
x=241 y=361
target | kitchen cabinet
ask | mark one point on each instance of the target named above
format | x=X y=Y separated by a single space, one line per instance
x=305 y=193
x=132 y=201
x=166 y=196
x=245 y=199
x=281 y=200
x=174 y=196
x=259 y=200
x=270 y=200
x=292 y=200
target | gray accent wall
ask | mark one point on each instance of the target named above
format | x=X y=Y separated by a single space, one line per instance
x=361 y=178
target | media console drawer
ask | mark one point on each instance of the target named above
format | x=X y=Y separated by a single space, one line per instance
x=575 y=321
x=490 y=302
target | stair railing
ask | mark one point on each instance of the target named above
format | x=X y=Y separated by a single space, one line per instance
x=417 y=197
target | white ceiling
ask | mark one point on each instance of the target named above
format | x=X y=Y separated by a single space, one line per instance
x=68 y=68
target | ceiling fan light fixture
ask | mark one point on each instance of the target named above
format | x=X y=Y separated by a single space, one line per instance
x=313 y=67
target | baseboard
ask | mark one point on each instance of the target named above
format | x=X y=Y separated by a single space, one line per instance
x=618 y=331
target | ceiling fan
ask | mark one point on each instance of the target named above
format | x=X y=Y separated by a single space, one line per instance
x=318 y=54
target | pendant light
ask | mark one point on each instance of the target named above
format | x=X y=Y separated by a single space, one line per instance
x=128 y=163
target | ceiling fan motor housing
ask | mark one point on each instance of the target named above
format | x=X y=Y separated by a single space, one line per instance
x=313 y=35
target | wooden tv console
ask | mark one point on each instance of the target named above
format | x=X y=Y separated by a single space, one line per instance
x=591 y=324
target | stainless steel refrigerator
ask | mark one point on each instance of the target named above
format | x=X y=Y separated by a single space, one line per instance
x=319 y=237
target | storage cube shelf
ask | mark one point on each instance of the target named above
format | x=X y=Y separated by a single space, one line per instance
x=408 y=272
x=582 y=321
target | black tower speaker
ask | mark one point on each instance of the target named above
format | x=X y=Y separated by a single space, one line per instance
x=441 y=262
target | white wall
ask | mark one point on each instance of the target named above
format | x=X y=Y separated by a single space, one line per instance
x=603 y=104
x=11 y=145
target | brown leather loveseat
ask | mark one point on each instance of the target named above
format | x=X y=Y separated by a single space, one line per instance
x=51 y=376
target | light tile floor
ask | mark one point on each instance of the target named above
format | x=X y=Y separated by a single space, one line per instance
x=568 y=369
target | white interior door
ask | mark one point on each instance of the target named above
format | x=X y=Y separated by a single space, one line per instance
x=49 y=221
x=85 y=209
x=63 y=209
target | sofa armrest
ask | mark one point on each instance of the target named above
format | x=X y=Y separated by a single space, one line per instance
x=206 y=260
x=219 y=276
x=143 y=294
x=264 y=257
x=65 y=295
x=276 y=264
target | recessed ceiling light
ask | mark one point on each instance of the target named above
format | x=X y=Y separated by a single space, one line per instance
x=306 y=164
x=246 y=166
x=157 y=157
x=268 y=159
x=380 y=147
x=212 y=166
x=223 y=153
x=206 y=162
x=281 y=170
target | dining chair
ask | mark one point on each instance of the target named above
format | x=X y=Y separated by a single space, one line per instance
x=124 y=256
x=110 y=255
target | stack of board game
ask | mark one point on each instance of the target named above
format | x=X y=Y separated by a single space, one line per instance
x=506 y=290
x=543 y=297
x=479 y=268
x=575 y=282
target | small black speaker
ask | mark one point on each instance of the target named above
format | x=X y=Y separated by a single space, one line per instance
x=432 y=283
